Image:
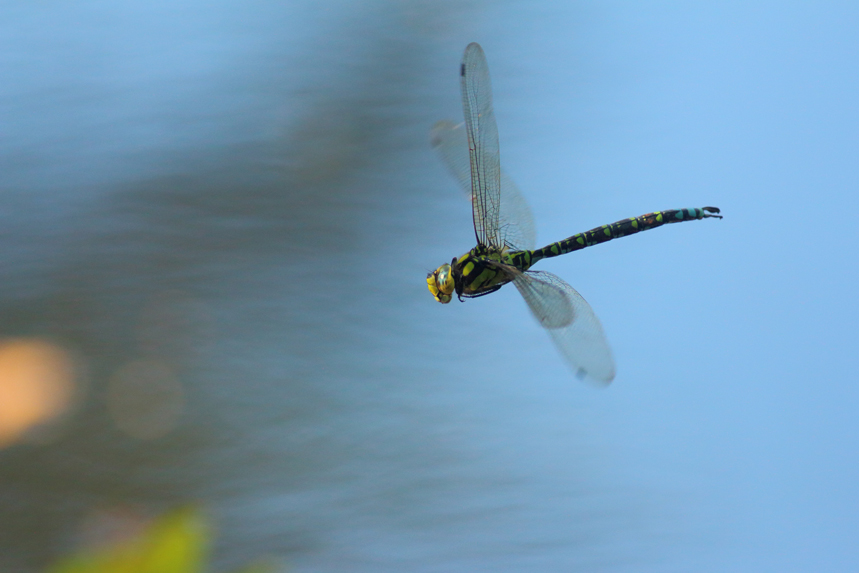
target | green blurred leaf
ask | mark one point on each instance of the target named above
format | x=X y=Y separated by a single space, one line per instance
x=177 y=542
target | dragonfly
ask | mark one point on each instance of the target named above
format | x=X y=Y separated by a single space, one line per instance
x=504 y=229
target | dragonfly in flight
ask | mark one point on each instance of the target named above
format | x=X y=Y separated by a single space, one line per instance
x=504 y=229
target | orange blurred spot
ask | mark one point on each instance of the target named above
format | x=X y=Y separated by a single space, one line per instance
x=145 y=399
x=37 y=381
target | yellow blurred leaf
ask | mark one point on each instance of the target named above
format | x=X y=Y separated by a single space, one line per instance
x=174 y=543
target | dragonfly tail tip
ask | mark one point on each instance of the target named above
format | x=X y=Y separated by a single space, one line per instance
x=712 y=212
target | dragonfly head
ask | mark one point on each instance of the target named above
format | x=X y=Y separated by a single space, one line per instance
x=440 y=283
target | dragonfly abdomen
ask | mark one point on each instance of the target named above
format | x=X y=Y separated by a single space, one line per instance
x=619 y=229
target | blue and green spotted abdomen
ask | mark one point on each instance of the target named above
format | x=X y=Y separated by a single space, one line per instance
x=524 y=259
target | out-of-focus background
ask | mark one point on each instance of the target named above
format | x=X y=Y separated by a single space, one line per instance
x=215 y=226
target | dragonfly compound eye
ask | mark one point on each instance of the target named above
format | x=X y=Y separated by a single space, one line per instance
x=441 y=284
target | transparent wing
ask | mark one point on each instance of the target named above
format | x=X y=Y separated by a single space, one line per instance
x=515 y=221
x=482 y=146
x=571 y=323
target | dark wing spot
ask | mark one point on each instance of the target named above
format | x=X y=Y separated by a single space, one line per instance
x=462 y=70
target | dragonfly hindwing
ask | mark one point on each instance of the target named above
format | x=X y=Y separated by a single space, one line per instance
x=581 y=341
x=548 y=301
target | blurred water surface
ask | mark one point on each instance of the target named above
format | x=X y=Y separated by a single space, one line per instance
x=218 y=213
x=216 y=223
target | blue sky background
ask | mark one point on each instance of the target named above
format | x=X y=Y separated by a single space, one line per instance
x=272 y=163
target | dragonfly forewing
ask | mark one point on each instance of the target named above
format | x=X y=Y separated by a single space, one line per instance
x=482 y=145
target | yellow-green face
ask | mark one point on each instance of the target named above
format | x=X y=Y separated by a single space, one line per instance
x=440 y=283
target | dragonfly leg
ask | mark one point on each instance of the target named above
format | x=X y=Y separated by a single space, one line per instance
x=484 y=293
